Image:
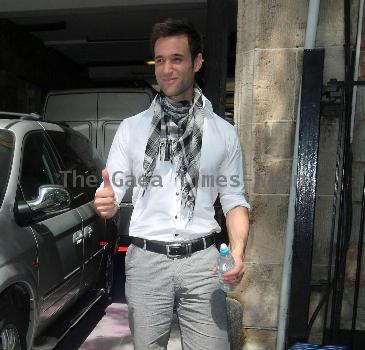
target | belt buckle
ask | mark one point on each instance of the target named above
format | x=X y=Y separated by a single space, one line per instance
x=170 y=254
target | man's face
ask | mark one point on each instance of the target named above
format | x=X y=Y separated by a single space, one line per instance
x=174 y=68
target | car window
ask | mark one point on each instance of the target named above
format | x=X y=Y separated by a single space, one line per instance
x=39 y=165
x=6 y=156
x=81 y=165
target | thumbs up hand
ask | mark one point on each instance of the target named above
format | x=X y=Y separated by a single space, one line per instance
x=104 y=201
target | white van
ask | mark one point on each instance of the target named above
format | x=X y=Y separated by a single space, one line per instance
x=96 y=113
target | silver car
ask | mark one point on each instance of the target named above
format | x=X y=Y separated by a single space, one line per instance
x=54 y=248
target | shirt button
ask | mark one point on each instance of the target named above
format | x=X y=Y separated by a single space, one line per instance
x=176 y=234
x=175 y=216
x=177 y=193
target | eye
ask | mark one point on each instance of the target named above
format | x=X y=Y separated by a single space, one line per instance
x=177 y=59
x=159 y=60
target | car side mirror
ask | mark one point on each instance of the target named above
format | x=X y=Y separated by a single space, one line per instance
x=51 y=199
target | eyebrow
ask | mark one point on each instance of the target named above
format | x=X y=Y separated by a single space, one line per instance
x=180 y=55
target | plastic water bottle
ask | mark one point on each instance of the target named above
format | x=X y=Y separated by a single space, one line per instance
x=225 y=263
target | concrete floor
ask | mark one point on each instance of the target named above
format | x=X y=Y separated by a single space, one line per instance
x=112 y=332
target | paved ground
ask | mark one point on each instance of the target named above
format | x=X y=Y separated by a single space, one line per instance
x=106 y=328
x=112 y=332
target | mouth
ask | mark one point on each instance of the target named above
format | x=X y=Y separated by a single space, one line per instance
x=169 y=80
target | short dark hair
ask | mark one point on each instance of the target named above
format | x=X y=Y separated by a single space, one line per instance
x=172 y=27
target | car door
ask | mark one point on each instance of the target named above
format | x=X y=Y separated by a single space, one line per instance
x=83 y=168
x=59 y=236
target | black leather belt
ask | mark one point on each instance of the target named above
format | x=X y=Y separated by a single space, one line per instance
x=173 y=249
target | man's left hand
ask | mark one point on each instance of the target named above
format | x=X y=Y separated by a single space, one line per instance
x=234 y=276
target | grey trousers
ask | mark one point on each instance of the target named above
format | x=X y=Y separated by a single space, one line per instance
x=154 y=283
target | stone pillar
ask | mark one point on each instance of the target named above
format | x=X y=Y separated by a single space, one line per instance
x=270 y=39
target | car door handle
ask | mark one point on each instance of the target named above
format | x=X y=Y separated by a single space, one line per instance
x=77 y=237
x=88 y=230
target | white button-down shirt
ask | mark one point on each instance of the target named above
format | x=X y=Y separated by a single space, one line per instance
x=158 y=213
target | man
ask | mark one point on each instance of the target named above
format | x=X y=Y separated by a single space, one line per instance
x=180 y=156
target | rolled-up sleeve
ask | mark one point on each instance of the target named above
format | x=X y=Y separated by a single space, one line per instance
x=232 y=191
x=118 y=163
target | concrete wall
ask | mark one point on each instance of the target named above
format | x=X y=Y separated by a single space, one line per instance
x=29 y=69
x=270 y=43
x=27 y=57
x=17 y=95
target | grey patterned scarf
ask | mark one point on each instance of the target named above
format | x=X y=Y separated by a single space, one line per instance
x=176 y=135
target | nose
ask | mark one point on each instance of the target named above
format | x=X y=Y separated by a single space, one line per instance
x=167 y=67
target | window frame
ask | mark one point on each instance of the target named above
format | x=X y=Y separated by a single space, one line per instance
x=76 y=200
x=52 y=157
x=11 y=160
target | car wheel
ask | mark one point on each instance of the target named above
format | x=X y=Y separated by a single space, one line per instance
x=11 y=333
x=107 y=275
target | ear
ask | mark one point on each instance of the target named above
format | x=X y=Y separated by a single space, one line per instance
x=198 y=62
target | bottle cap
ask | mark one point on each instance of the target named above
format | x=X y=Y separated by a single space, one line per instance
x=223 y=250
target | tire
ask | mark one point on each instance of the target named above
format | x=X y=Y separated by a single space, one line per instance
x=12 y=335
x=106 y=280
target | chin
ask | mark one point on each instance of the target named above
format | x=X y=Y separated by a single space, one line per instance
x=169 y=91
